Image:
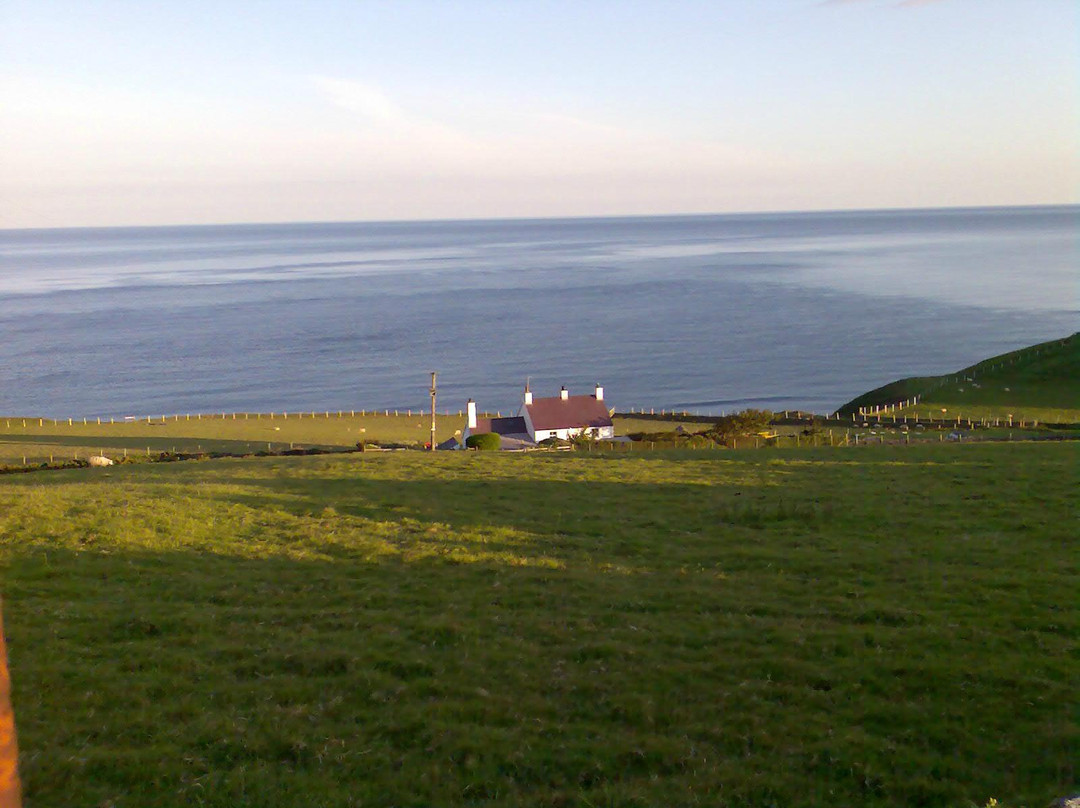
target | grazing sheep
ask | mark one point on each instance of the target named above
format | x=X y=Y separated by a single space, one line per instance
x=100 y=460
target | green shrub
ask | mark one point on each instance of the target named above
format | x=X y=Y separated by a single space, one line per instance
x=746 y=422
x=485 y=441
x=583 y=439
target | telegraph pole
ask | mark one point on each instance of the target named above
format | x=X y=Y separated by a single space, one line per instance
x=433 y=410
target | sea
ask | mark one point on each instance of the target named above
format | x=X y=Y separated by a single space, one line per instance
x=707 y=314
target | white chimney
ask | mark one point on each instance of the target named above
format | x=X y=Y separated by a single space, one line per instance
x=528 y=395
x=471 y=409
x=599 y=393
x=563 y=393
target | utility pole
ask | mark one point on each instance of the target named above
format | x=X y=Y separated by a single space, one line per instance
x=433 y=410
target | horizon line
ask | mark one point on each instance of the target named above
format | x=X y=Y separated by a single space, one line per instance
x=572 y=217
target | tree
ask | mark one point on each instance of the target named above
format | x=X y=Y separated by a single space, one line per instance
x=746 y=422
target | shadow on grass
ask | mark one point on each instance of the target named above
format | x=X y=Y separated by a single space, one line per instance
x=311 y=632
x=165 y=678
x=558 y=519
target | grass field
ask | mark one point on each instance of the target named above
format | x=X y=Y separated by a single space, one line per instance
x=33 y=441
x=244 y=433
x=1041 y=383
x=37 y=440
x=883 y=626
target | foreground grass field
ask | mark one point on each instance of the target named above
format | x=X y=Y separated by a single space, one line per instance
x=882 y=626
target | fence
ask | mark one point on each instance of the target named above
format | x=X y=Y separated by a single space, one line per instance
x=169 y=445
x=883 y=409
x=709 y=417
x=225 y=416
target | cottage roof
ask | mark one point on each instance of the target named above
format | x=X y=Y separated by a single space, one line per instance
x=500 y=426
x=572 y=412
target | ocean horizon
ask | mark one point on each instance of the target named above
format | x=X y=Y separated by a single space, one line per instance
x=705 y=313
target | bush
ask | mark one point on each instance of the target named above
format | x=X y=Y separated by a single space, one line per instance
x=746 y=422
x=583 y=439
x=486 y=441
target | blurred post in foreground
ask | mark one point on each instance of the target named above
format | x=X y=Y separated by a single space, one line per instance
x=9 y=753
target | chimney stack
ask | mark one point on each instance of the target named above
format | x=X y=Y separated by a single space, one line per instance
x=528 y=395
x=563 y=393
x=599 y=393
x=471 y=409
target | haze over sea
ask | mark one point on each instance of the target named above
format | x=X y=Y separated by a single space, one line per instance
x=703 y=313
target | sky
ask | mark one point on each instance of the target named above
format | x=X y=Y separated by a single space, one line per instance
x=140 y=113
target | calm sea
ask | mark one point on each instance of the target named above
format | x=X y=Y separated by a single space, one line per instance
x=704 y=313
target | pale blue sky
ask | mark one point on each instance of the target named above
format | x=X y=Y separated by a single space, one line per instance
x=189 y=112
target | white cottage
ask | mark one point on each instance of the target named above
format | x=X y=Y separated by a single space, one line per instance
x=565 y=415
x=538 y=419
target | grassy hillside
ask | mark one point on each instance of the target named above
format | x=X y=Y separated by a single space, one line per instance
x=884 y=626
x=1040 y=382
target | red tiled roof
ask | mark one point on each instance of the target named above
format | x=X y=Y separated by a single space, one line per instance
x=573 y=412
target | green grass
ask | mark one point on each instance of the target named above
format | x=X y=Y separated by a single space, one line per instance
x=881 y=626
x=38 y=440
x=1041 y=383
x=629 y=424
